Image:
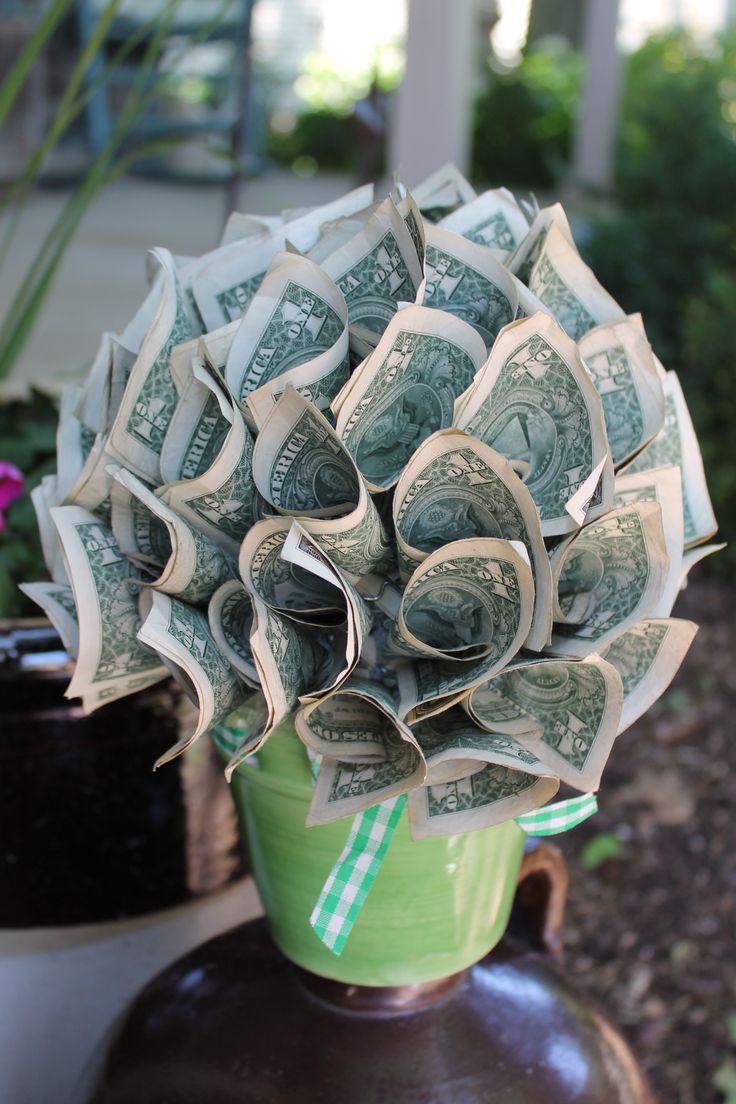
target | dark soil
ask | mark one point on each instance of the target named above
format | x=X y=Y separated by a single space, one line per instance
x=650 y=933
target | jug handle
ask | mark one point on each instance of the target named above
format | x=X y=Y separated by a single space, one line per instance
x=538 y=910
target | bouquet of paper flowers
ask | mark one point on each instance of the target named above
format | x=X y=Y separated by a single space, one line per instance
x=402 y=470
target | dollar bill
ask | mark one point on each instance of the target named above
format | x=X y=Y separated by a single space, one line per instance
x=301 y=468
x=230 y=618
x=181 y=637
x=456 y=488
x=57 y=602
x=91 y=489
x=348 y=644
x=693 y=556
x=281 y=584
x=290 y=662
x=647 y=656
x=565 y=284
x=203 y=416
x=527 y=252
x=241 y=225
x=468 y=600
x=442 y=192
x=74 y=440
x=607 y=577
x=195 y=566
x=406 y=390
x=575 y=707
x=224 y=281
x=294 y=331
x=219 y=501
x=44 y=496
x=534 y=403
x=493 y=219
x=93 y=399
x=676 y=443
x=369 y=755
x=454 y=748
x=150 y=396
x=412 y=216
x=620 y=360
x=466 y=280
x=489 y=796
x=376 y=269
x=111 y=662
x=662 y=485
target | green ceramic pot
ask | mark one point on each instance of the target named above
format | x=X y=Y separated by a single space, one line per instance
x=437 y=905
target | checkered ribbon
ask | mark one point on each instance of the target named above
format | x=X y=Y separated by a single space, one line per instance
x=352 y=876
x=563 y=815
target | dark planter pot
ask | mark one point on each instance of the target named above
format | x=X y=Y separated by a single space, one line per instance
x=88 y=832
x=235 y=1022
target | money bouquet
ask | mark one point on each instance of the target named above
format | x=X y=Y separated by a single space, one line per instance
x=401 y=471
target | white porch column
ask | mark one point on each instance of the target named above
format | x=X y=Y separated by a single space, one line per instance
x=595 y=135
x=431 y=118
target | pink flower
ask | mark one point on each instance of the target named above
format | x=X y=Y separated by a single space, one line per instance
x=11 y=487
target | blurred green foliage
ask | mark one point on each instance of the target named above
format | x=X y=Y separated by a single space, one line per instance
x=668 y=247
x=28 y=440
x=524 y=117
x=324 y=134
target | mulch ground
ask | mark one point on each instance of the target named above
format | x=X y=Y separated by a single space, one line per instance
x=650 y=932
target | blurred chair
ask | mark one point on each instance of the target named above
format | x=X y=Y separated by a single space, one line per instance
x=230 y=83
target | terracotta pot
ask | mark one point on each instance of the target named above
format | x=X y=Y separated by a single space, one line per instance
x=87 y=831
x=402 y=1016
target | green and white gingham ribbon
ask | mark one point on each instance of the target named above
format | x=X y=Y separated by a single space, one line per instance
x=344 y=893
x=560 y=817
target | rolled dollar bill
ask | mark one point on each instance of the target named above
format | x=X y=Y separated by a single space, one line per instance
x=608 y=577
x=406 y=390
x=456 y=488
x=620 y=360
x=220 y=501
x=493 y=219
x=663 y=485
x=283 y=584
x=195 y=567
x=676 y=443
x=369 y=755
x=468 y=600
x=111 y=661
x=442 y=192
x=489 y=796
x=230 y=617
x=647 y=657
x=297 y=317
x=527 y=252
x=57 y=602
x=289 y=662
x=575 y=708
x=301 y=468
x=150 y=396
x=376 y=269
x=565 y=284
x=534 y=403
x=181 y=636
x=466 y=280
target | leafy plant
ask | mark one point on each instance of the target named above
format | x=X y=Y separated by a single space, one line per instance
x=599 y=849
x=524 y=117
x=669 y=246
x=28 y=440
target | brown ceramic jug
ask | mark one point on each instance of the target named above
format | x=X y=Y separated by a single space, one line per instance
x=235 y=1022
